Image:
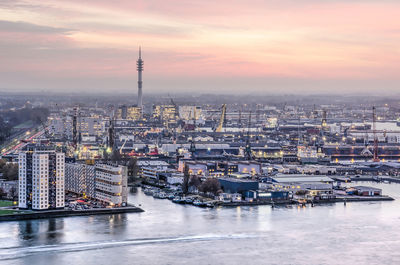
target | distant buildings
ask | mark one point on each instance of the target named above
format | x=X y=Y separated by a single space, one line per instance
x=62 y=126
x=106 y=183
x=41 y=179
x=165 y=113
x=132 y=113
x=221 y=168
x=190 y=112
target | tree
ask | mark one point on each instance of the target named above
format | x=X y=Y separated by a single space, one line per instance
x=13 y=193
x=10 y=171
x=186 y=177
x=194 y=182
x=2 y=193
x=116 y=156
x=210 y=185
x=133 y=169
x=3 y=162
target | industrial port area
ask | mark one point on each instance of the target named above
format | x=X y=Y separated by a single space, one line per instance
x=81 y=153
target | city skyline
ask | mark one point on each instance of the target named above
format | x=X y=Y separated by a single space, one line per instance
x=224 y=47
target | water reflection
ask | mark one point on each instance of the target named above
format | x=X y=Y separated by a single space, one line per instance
x=172 y=233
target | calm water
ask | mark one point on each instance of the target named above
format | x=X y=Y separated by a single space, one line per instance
x=167 y=233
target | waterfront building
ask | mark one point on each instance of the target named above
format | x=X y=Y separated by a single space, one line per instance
x=103 y=182
x=41 y=179
x=80 y=179
x=315 y=184
x=208 y=168
x=368 y=191
x=233 y=185
x=111 y=184
x=166 y=175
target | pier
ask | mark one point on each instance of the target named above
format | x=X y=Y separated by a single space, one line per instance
x=67 y=213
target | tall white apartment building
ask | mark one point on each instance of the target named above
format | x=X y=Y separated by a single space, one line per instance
x=41 y=179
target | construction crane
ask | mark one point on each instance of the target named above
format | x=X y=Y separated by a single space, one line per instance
x=221 y=119
x=123 y=145
x=376 y=158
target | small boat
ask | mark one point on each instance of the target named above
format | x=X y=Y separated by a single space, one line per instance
x=210 y=204
x=148 y=192
x=179 y=199
x=199 y=203
x=189 y=200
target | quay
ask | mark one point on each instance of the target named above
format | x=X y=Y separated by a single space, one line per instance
x=294 y=201
x=68 y=213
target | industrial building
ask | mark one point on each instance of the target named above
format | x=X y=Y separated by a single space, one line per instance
x=233 y=185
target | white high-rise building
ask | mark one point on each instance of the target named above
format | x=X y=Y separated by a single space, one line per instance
x=41 y=179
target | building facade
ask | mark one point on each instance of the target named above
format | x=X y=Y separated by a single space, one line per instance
x=41 y=179
x=106 y=183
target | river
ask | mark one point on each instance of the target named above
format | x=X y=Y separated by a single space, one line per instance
x=168 y=233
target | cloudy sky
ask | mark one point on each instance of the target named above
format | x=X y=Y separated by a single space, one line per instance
x=271 y=46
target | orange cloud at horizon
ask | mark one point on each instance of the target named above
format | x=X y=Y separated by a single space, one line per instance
x=204 y=39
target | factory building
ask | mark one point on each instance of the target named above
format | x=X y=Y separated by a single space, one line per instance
x=233 y=185
x=208 y=168
x=41 y=179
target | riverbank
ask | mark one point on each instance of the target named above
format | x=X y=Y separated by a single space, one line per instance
x=289 y=202
x=67 y=213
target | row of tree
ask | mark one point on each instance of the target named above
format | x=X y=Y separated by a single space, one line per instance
x=210 y=185
x=11 y=118
x=9 y=170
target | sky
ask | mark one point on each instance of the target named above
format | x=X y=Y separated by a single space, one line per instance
x=224 y=46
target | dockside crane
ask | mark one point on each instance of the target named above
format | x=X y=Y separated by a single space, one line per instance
x=222 y=119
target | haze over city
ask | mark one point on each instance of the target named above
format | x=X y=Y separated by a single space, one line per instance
x=200 y=46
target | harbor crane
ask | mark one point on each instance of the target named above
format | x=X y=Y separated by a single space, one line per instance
x=222 y=119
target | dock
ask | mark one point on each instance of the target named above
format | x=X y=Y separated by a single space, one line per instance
x=67 y=213
x=294 y=201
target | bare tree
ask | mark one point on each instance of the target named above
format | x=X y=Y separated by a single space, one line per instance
x=186 y=177
x=210 y=185
x=133 y=169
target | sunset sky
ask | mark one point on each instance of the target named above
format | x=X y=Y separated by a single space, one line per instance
x=222 y=46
